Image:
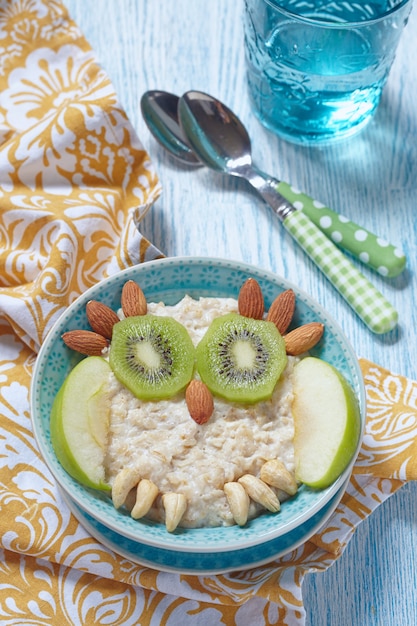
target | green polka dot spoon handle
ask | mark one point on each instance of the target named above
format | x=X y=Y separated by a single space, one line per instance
x=364 y=298
x=382 y=256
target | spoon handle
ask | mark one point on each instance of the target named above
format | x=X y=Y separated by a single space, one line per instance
x=369 y=304
x=373 y=251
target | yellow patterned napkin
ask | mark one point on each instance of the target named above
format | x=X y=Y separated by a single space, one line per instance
x=72 y=170
x=73 y=176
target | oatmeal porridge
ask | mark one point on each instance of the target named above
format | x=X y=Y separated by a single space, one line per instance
x=160 y=442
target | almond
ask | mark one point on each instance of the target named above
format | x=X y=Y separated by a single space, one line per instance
x=175 y=505
x=260 y=492
x=86 y=342
x=146 y=493
x=251 y=300
x=238 y=501
x=303 y=338
x=282 y=310
x=275 y=474
x=101 y=318
x=125 y=480
x=133 y=300
x=199 y=401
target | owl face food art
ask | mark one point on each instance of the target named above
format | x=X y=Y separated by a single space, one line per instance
x=189 y=422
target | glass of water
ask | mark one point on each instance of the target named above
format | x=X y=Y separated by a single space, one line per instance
x=316 y=68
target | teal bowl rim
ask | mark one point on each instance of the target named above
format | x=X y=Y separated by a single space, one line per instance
x=184 y=275
x=213 y=562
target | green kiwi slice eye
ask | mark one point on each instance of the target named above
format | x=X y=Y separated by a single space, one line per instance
x=241 y=359
x=152 y=356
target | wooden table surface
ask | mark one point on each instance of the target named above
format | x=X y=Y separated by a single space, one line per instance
x=371 y=178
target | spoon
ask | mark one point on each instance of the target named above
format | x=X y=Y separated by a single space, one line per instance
x=160 y=112
x=220 y=141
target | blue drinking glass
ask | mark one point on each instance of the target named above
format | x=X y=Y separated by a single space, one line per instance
x=316 y=68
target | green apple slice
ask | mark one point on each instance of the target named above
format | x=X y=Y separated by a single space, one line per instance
x=79 y=422
x=327 y=422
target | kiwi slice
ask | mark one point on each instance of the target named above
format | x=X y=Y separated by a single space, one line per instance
x=152 y=356
x=241 y=359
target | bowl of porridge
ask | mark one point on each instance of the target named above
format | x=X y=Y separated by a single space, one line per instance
x=158 y=442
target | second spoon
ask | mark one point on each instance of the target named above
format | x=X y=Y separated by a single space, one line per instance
x=221 y=142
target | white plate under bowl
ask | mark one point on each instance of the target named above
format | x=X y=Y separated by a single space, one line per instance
x=206 y=563
x=168 y=280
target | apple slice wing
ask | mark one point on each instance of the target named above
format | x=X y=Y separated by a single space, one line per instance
x=327 y=422
x=79 y=422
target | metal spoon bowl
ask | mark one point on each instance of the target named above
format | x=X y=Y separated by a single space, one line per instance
x=159 y=110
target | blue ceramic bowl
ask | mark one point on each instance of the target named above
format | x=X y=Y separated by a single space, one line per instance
x=168 y=280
